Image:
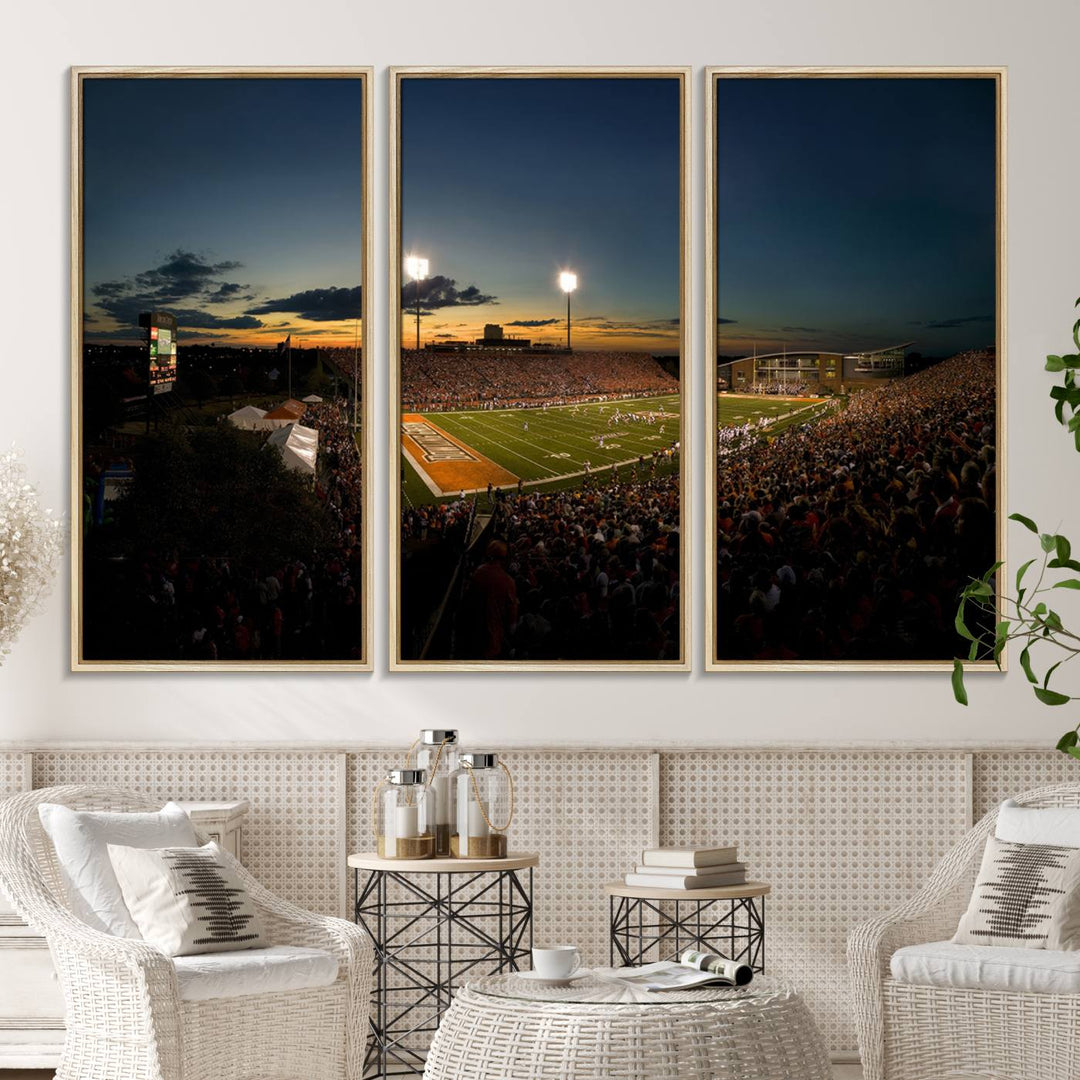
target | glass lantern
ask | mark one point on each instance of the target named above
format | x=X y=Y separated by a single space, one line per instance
x=485 y=807
x=405 y=816
x=437 y=754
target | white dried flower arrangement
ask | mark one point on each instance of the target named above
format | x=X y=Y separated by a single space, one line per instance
x=31 y=544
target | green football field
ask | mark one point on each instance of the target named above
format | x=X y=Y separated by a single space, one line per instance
x=552 y=450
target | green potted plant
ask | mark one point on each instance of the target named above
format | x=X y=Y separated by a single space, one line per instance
x=989 y=622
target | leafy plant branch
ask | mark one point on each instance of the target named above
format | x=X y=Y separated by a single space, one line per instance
x=990 y=623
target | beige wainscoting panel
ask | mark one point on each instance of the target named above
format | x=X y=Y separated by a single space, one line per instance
x=999 y=775
x=291 y=839
x=840 y=835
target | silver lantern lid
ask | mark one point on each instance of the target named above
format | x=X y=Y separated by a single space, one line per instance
x=437 y=736
x=407 y=776
x=480 y=761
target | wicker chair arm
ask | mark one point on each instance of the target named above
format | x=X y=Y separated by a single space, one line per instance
x=930 y=915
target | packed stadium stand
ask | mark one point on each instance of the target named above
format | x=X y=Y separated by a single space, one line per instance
x=433 y=380
x=849 y=538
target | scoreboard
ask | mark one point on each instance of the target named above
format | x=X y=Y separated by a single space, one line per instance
x=161 y=350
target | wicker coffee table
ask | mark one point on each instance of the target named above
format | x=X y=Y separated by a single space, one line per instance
x=503 y=1026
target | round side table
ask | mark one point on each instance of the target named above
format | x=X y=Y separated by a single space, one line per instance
x=729 y=920
x=503 y=1026
x=431 y=922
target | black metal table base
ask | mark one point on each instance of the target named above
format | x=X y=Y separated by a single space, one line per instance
x=426 y=942
x=644 y=931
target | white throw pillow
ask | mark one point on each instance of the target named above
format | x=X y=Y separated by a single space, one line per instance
x=1057 y=825
x=1025 y=896
x=187 y=900
x=80 y=839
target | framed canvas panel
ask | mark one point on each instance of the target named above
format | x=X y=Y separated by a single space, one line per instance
x=539 y=369
x=220 y=435
x=855 y=337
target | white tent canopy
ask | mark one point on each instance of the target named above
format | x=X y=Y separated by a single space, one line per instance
x=298 y=446
x=312 y=399
x=249 y=417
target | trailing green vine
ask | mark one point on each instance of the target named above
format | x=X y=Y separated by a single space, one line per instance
x=990 y=622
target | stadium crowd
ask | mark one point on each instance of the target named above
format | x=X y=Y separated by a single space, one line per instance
x=199 y=607
x=586 y=574
x=433 y=381
x=849 y=538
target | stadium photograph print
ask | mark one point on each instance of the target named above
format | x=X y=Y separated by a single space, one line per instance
x=539 y=369
x=220 y=435
x=855 y=336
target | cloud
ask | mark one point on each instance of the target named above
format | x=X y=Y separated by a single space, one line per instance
x=193 y=319
x=956 y=323
x=228 y=290
x=182 y=282
x=802 y=330
x=316 y=305
x=724 y=322
x=646 y=328
x=533 y=323
x=442 y=292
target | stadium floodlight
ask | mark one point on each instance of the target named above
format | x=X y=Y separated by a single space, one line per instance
x=417 y=268
x=568 y=283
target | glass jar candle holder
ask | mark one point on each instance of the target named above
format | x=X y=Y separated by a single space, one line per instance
x=485 y=807
x=405 y=816
x=437 y=754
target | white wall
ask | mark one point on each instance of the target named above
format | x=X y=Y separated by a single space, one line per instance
x=41 y=700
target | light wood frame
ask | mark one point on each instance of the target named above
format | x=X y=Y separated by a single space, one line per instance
x=712 y=76
x=397 y=75
x=366 y=77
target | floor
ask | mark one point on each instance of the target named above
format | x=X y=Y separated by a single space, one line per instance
x=840 y=1072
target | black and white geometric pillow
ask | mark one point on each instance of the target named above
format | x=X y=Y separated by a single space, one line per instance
x=1026 y=895
x=186 y=900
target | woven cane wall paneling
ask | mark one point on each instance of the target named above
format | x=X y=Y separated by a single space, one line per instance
x=588 y=815
x=1000 y=775
x=13 y=773
x=841 y=836
x=290 y=838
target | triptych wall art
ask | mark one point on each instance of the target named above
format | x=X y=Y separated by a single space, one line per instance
x=539 y=367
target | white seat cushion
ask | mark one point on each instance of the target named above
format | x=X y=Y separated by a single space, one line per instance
x=988 y=967
x=253 y=971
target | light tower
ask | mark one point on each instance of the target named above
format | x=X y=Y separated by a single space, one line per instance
x=568 y=283
x=417 y=268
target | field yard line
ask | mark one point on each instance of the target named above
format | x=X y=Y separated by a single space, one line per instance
x=624 y=434
x=514 y=452
x=627 y=402
x=605 y=464
x=430 y=484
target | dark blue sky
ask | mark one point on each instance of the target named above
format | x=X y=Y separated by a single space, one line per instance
x=251 y=184
x=505 y=182
x=855 y=213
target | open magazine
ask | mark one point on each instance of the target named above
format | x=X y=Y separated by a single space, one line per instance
x=693 y=969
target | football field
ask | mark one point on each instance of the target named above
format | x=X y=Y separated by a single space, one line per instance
x=445 y=453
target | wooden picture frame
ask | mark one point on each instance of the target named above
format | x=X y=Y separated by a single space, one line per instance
x=398 y=660
x=362 y=367
x=714 y=662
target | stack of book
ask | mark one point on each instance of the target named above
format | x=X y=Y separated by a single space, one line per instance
x=694 y=867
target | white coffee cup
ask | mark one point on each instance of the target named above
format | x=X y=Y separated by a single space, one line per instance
x=556 y=961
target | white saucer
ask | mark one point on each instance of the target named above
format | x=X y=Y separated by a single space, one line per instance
x=536 y=977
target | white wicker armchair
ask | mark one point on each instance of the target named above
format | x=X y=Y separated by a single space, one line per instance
x=124 y=1016
x=909 y=1032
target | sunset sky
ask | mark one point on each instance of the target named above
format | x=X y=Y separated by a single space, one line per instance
x=506 y=181
x=855 y=213
x=233 y=203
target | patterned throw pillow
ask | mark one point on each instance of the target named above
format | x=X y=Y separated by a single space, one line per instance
x=186 y=900
x=1026 y=895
